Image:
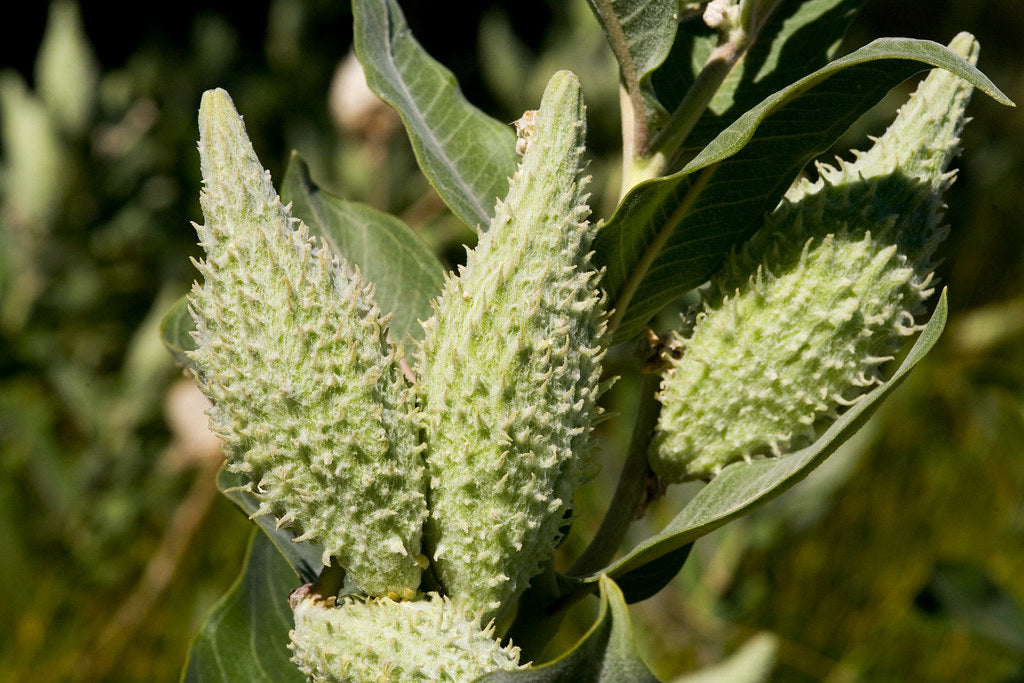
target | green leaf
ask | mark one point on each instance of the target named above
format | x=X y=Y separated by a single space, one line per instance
x=742 y=486
x=406 y=274
x=799 y=37
x=645 y=581
x=605 y=654
x=303 y=558
x=465 y=154
x=245 y=638
x=640 y=33
x=670 y=234
x=176 y=332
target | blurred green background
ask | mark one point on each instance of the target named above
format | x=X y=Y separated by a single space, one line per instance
x=901 y=559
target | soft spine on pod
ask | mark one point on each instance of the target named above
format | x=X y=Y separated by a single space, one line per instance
x=307 y=391
x=508 y=372
x=799 y=321
x=382 y=640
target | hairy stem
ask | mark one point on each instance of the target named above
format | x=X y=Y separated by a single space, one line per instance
x=634 y=116
x=733 y=45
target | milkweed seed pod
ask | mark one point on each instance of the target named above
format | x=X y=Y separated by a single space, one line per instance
x=797 y=324
x=508 y=372
x=307 y=392
x=383 y=640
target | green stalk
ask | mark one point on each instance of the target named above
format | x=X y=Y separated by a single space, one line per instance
x=733 y=45
x=629 y=493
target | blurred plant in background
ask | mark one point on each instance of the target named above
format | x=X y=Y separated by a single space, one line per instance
x=901 y=559
x=99 y=492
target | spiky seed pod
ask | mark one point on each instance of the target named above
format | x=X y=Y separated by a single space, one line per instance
x=508 y=372
x=383 y=640
x=307 y=391
x=797 y=324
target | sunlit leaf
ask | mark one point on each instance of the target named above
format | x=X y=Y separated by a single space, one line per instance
x=245 y=638
x=465 y=154
x=669 y=235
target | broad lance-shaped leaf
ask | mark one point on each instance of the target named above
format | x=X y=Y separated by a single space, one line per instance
x=508 y=372
x=307 y=392
x=465 y=154
x=670 y=235
x=798 y=37
x=799 y=321
x=427 y=639
x=245 y=637
x=640 y=33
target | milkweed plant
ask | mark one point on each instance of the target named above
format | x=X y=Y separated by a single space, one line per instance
x=410 y=440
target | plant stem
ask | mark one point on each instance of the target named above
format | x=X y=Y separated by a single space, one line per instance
x=629 y=494
x=635 y=125
x=720 y=62
x=652 y=162
x=670 y=138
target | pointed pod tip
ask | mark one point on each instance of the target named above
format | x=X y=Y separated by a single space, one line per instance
x=219 y=121
x=562 y=96
x=967 y=46
x=215 y=104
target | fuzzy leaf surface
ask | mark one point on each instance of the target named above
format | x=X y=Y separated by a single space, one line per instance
x=605 y=654
x=465 y=154
x=670 y=234
x=799 y=37
x=740 y=487
x=245 y=638
x=403 y=270
x=640 y=33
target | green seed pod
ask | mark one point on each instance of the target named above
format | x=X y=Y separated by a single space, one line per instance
x=307 y=391
x=797 y=324
x=383 y=640
x=508 y=372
